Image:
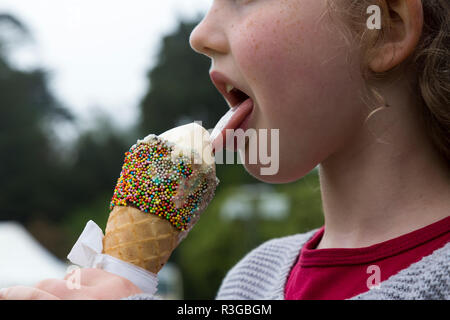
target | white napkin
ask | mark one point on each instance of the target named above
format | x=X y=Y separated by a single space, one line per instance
x=87 y=252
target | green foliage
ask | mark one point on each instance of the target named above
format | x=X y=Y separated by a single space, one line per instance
x=97 y=210
x=92 y=176
x=27 y=169
x=38 y=187
x=98 y=161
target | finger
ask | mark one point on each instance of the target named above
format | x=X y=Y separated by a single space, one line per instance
x=117 y=287
x=91 y=277
x=88 y=276
x=25 y=293
x=99 y=284
x=111 y=285
x=65 y=289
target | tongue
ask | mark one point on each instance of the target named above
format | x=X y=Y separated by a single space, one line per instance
x=231 y=120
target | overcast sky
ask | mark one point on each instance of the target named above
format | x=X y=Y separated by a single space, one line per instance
x=98 y=51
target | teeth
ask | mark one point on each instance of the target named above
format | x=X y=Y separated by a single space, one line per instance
x=229 y=87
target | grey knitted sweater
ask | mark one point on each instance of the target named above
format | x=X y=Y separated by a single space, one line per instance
x=263 y=273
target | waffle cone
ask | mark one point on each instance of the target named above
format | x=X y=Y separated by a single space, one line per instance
x=144 y=240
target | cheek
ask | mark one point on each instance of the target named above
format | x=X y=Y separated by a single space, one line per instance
x=266 y=48
x=284 y=60
x=280 y=35
x=283 y=55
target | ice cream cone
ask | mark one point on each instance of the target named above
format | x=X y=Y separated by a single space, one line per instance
x=166 y=182
x=144 y=240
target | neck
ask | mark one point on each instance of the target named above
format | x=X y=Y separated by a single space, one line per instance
x=388 y=181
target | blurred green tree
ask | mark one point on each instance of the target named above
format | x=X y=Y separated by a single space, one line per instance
x=28 y=169
x=52 y=194
x=97 y=162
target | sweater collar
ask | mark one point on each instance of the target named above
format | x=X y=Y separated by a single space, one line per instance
x=438 y=261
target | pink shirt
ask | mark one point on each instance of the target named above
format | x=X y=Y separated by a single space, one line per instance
x=343 y=273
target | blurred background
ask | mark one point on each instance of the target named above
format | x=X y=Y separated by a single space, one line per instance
x=81 y=81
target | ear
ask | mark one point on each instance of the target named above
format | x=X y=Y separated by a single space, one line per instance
x=406 y=20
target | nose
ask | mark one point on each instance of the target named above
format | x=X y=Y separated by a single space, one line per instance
x=209 y=37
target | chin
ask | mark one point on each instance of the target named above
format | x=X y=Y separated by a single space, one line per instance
x=285 y=174
x=279 y=170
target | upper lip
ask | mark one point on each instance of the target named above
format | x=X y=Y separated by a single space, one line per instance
x=220 y=81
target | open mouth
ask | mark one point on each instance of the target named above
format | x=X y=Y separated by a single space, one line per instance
x=241 y=107
x=235 y=96
x=229 y=90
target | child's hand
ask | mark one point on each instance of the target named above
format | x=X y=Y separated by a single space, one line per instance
x=95 y=284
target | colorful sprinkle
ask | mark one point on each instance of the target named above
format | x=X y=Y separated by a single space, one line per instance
x=153 y=182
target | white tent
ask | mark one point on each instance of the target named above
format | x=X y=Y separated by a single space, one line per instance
x=23 y=260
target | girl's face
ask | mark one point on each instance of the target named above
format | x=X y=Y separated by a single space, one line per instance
x=288 y=57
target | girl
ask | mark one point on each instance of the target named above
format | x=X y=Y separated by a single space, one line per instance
x=371 y=107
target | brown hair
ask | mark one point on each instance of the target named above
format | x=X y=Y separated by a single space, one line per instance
x=430 y=61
